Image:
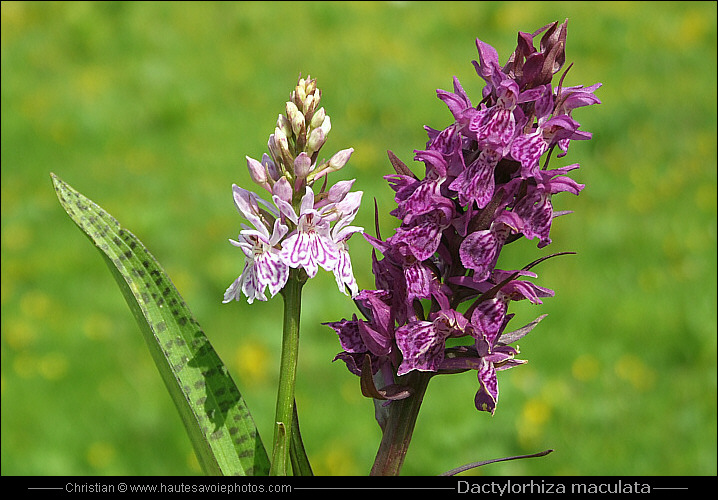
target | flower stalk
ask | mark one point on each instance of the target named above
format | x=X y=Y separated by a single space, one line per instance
x=399 y=426
x=284 y=415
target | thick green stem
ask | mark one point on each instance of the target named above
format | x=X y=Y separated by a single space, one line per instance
x=399 y=427
x=283 y=427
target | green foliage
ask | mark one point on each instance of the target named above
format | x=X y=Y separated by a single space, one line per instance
x=152 y=106
x=212 y=410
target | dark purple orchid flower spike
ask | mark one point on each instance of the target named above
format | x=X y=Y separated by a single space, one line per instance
x=483 y=187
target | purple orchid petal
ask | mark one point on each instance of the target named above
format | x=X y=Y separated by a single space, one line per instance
x=271 y=271
x=510 y=363
x=479 y=252
x=343 y=272
x=422 y=346
x=517 y=290
x=379 y=310
x=349 y=336
x=536 y=211
x=285 y=208
x=377 y=343
x=422 y=239
x=476 y=183
x=488 y=61
x=247 y=204
x=527 y=149
x=458 y=102
x=488 y=394
x=488 y=318
x=353 y=361
x=498 y=131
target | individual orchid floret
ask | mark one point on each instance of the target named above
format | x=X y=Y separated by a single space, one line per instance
x=535 y=208
x=476 y=183
x=480 y=250
x=495 y=128
x=527 y=149
x=345 y=211
x=313 y=243
x=419 y=197
x=371 y=337
x=310 y=245
x=263 y=267
x=354 y=347
x=570 y=98
x=492 y=359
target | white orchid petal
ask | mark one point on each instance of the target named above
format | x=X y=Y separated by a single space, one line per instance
x=307 y=201
x=278 y=233
x=286 y=209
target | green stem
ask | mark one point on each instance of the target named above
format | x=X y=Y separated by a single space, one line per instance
x=399 y=427
x=292 y=294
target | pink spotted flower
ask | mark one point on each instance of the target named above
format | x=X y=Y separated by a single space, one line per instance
x=314 y=243
x=305 y=228
x=263 y=267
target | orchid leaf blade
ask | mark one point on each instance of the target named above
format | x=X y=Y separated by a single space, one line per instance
x=218 y=422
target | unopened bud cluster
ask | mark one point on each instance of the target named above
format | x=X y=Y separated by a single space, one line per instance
x=294 y=146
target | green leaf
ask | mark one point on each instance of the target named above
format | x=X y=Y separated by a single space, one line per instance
x=211 y=407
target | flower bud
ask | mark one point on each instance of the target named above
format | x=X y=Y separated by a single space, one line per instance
x=300 y=93
x=291 y=109
x=274 y=151
x=282 y=145
x=318 y=118
x=256 y=171
x=309 y=105
x=271 y=167
x=296 y=118
x=302 y=165
x=335 y=163
x=284 y=125
x=310 y=86
x=280 y=138
x=283 y=190
x=326 y=125
x=339 y=159
x=316 y=140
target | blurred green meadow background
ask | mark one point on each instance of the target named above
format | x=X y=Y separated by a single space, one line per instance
x=150 y=108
